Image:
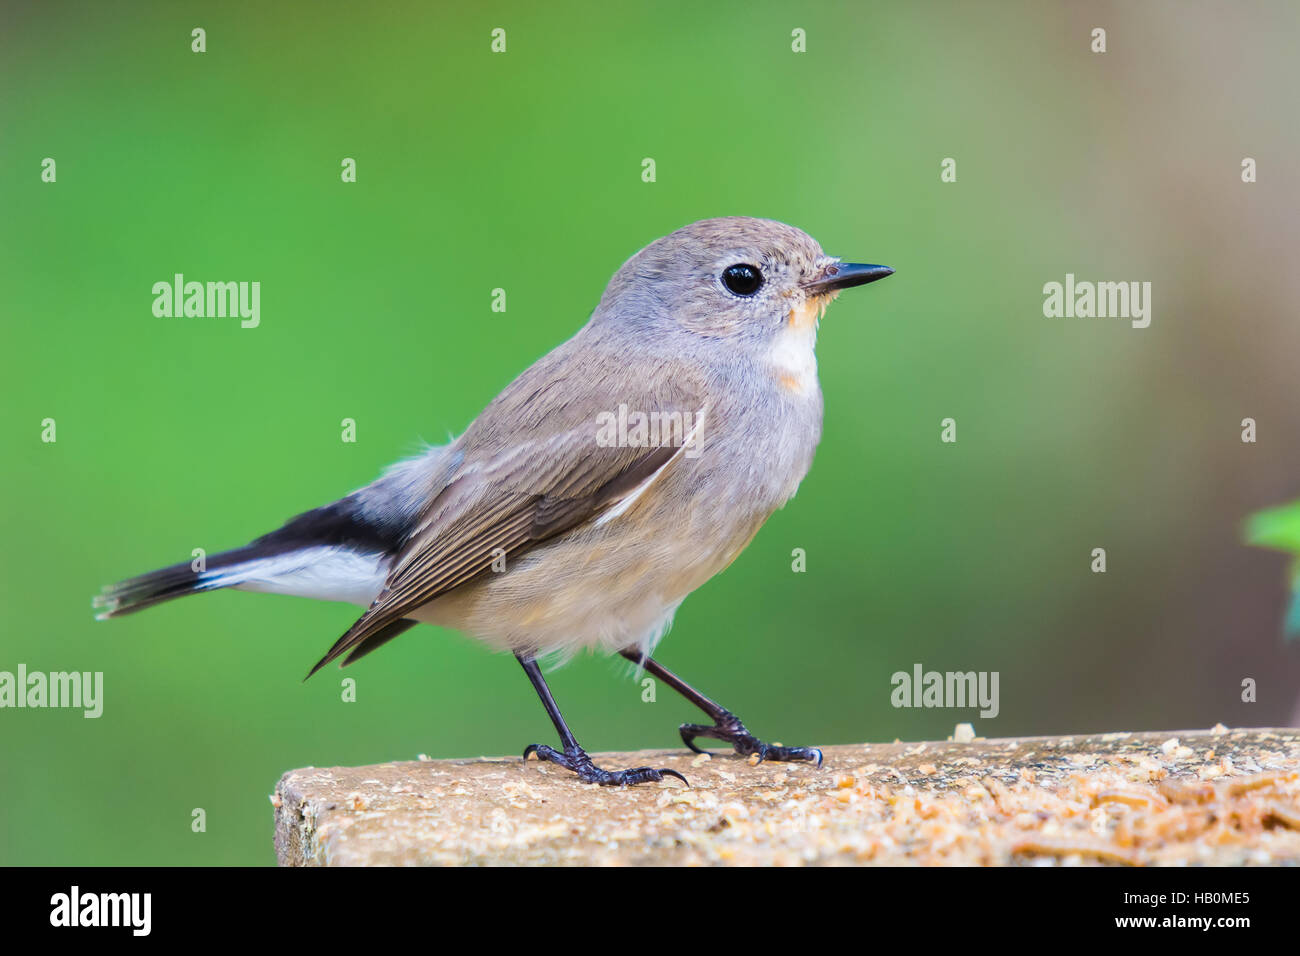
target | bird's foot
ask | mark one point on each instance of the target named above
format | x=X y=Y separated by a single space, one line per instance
x=730 y=730
x=578 y=761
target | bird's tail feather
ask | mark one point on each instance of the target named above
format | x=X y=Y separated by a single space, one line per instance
x=166 y=584
x=331 y=552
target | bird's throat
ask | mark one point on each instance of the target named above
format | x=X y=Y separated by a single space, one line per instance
x=792 y=356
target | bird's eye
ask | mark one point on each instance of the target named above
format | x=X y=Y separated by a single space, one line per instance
x=742 y=279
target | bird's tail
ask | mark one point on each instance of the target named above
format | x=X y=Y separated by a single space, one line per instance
x=332 y=553
x=138 y=593
x=223 y=570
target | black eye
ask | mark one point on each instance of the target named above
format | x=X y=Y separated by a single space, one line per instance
x=742 y=278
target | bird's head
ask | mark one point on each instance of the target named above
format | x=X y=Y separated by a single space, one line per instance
x=751 y=281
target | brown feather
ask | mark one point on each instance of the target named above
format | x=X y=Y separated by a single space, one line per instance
x=514 y=500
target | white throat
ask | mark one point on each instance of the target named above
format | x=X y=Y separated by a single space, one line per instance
x=793 y=356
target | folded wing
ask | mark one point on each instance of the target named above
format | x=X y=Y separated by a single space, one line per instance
x=506 y=498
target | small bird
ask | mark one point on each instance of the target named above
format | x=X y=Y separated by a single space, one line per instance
x=606 y=483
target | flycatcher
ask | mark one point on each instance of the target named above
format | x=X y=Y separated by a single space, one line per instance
x=605 y=484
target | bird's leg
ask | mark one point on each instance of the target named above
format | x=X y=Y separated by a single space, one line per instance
x=727 y=727
x=574 y=757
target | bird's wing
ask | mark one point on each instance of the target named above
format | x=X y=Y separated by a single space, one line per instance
x=512 y=497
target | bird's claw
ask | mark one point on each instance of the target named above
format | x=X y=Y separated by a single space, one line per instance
x=730 y=730
x=578 y=761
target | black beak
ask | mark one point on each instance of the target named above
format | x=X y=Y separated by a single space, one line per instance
x=845 y=275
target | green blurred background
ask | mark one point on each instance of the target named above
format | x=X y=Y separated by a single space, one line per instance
x=523 y=171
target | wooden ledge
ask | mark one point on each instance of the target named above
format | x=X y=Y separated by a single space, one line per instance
x=1220 y=796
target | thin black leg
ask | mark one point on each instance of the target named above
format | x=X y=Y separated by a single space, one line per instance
x=726 y=726
x=574 y=757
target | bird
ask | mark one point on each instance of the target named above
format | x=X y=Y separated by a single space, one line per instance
x=612 y=478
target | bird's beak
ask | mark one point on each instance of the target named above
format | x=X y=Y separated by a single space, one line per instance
x=845 y=275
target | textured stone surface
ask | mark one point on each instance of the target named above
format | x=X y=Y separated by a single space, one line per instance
x=1218 y=796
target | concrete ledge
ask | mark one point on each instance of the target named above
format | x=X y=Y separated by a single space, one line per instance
x=1223 y=797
